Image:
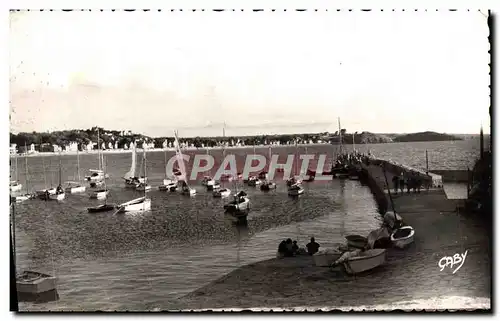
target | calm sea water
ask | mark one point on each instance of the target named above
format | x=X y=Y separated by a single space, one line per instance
x=148 y=260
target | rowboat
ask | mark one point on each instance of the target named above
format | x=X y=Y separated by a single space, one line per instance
x=402 y=237
x=101 y=208
x=356 y=241
x=267 y=186
x=74 y=188
x=359 y=261
x=223 y=192
x=326 y=257
x=170 y=187
x=295 y=190
x=35 y=282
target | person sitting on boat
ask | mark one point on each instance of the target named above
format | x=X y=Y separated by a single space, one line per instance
x=312 y=247
x=282 y=248
x=59 y=189
x=289 y=248
x=295 y=247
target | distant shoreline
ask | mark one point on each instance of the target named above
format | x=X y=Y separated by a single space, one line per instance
x=152 y=150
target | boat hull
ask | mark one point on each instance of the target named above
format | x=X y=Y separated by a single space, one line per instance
x=168 y=187
x=16 y=188
x=101 y=208
x=326 y=258
x=21 y=198
x=222 y=194
x=35 y=283
x=369 y=260
x=138 y=207
x=143 y=188
x=402 y=242
x=99 y=195
x=57 y=197
x=189 y=192
x=75 y=190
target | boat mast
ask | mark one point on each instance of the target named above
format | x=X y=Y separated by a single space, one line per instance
x=78 y=165
x=353 y=143
x=13 y=229
x=426 y=162
x=340 y=136
x=26 y=174
x=43 y=166
x=17 y=171
x=166 y=174
x=105 y=187
x=98 y=149
x=60 y=169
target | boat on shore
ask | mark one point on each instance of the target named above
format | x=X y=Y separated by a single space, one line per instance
x=402 y=237
x=239 y=206
x=358 y=261
x=267 y=186
x=254 y=181
x=222 y=193
x=356 y=241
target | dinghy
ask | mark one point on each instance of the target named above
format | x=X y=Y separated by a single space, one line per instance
x=402 y=237
x=359 y=261
x=222 y=192
x=295 y=190
x=59 y=195
x=356 y=241
x=207 y=181
x=267 y=186
x=169 y=187
x=136 y=205
x=99 y=194
x=101 y=208
x=325 y=258
x=254 y=181
x=240 y=203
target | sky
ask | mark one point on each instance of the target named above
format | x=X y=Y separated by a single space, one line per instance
x=259 y=72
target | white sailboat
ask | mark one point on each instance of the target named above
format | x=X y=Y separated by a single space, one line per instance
x=143 y=186
x=76 y=187
x=267 y=184
x=169 y=182
x=295 y=180
x=185 y=189
x=44 y=193
x=15 y=186
x=27 y=195
x=140 y=204
x=222 y=192
x=103 y=192
x=97 y=176
x=240 y=205
x=131 y=180
x=59 y=195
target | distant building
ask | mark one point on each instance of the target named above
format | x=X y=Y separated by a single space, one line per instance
x=13 y=149
x=125 y=146
x=116 y=145
x=89 y=147
x=71 y=147
x=56 y=148
x=110 y=145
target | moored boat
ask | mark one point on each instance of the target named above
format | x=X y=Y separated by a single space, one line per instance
x=31 y=282
x=207 y=181
x=240 y=203
x=359 y=261
x=170 y=187
x=101 y=208
x=295 y=190
x=59 y=195
x=15 y=186
x=142 y=187
x=136 y=205
x=267 y=186
x=100 y=194
x=402 y=237
x=74 y=188
x=222 y=192
x=254 y=181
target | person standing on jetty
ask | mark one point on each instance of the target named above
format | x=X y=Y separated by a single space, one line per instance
x=312 y=247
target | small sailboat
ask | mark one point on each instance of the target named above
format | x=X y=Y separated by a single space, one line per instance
x=185 y=189
x=169 y=183
x=44 y=193
x=221 y=192
x=75 y=187
x=27 y=195
x=402 y=236
x=59 y=195
x=143 y=186
x=295 y=180
x=295 y=190
x=131 y=180
x=136 y=205
x=140 y=204
x=15 y=186
x=267 y=185
x=101 y=194
x=240 y=205
x=254 y=181
x=97 y=175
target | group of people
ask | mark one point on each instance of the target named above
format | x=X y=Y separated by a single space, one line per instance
x=350 y=159
x=288 y=248
x=409 y=180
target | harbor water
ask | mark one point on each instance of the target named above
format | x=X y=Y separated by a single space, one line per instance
x=149 y=260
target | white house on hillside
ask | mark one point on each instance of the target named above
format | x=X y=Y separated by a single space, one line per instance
x=71 y=147
x=13 y=149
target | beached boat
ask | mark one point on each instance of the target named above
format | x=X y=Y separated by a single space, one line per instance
x=208 y=182
x=254 y=181
x=99 y=194
x=31 y=282
x=359 y=261
x=169 y=187
x=295 y=190
x=101 y=208
x=222 y=192
x=326 y=257
x=356 y=241
x=402 y=237
x=45 y=193
x=136 y=205
x=267 y=186
x=392 y=220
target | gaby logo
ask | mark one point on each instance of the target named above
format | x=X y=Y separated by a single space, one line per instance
x=253 y=164
x=451 y=261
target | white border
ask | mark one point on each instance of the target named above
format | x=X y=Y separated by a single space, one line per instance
x=185 y=4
